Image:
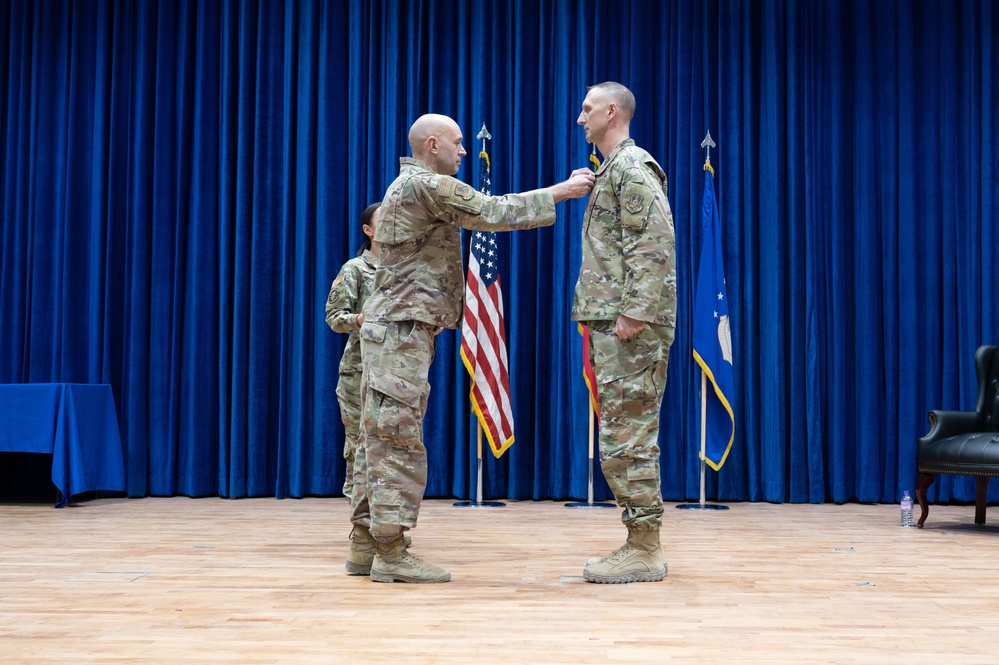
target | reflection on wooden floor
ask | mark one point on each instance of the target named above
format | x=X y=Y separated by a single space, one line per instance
x=262 y=581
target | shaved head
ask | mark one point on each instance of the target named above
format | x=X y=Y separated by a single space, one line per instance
x=436 y=141
x=431 y=124
x=620 y=95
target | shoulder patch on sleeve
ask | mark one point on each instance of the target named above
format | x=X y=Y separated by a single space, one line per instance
x=456 y=194
x=635 y=204
x=464 y=192
x=445 y=187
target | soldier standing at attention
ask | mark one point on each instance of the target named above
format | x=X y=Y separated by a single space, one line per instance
x=626 y=294
x=349 y=292
x=418 y=291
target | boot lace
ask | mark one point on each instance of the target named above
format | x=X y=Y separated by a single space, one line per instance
x=621 y=553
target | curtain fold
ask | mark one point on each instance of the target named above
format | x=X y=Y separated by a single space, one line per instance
x=182 y=180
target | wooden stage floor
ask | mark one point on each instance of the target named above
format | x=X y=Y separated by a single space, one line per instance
x=178 y=580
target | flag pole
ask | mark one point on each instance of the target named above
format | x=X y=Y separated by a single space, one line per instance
x=483 y=135
x=478 y=503
x=478 y=463
x=589 y=484
x=589 y=471
x=594 y=165
x=704 y=428
x=707 y=144
x=590 y=503
x=702 y=504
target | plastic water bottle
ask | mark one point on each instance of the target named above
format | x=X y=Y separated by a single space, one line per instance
x=907 y=509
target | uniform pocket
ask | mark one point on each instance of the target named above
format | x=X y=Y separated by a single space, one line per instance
x=396 y=387
x=372 y=332
x=647 y=471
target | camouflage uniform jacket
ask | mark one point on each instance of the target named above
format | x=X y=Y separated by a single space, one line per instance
x=349 y=291
x=629 y=247
x=420 y=277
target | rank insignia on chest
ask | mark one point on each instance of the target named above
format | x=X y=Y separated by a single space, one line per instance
x=634 y=205
x=463 y=191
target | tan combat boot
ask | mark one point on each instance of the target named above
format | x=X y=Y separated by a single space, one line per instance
x=394 y=564
x=362 y=551
x=638 y=560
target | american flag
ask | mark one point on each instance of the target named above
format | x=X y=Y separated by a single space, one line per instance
x=483 y=336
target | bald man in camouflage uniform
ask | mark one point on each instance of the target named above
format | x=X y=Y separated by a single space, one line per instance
x=626 y=294
x=419 y=287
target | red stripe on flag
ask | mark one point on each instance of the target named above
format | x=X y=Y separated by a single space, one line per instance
x=588 y=374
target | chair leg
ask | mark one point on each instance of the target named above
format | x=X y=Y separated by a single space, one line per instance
x=923 y=482
x=981 y=486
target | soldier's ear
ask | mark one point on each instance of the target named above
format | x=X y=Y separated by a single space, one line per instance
x=432 y=145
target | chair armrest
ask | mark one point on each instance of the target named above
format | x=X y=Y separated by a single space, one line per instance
x=949 y=423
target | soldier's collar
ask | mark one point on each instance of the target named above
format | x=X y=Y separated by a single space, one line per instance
x=620 y=146
x=410 y=163
x=610 y=158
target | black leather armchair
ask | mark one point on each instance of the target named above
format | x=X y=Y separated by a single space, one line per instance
x=964 y=442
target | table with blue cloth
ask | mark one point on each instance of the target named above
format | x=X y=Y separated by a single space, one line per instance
x=75 y=423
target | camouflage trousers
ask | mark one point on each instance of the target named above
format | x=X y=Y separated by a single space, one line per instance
x=390 y=465
x=631 y=380
x=348 y=394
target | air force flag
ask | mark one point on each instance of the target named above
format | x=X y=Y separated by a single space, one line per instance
x=712 y=334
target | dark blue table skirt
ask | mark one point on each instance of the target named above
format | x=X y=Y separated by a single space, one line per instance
x=75 y=423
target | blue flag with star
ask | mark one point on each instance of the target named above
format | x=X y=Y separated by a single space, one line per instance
x=712 y=332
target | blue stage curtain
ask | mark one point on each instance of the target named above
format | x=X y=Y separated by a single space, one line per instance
x=181 y=182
